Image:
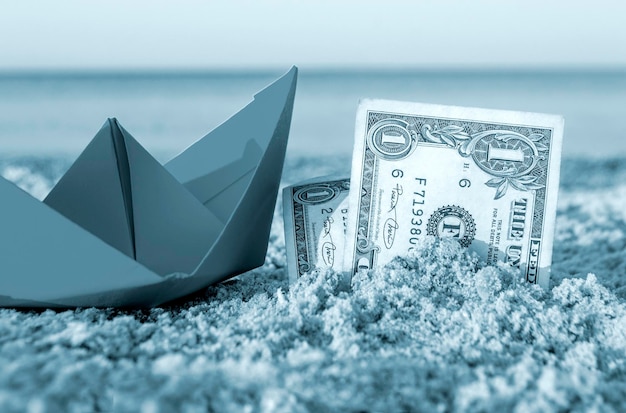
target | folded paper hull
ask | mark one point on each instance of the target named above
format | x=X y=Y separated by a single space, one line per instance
x=119 y=229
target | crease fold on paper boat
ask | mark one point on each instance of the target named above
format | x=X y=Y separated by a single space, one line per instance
x=120 y=229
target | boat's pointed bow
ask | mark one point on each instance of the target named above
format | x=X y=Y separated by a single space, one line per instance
x=227 y=143
x=282 y=89
x=243 y=244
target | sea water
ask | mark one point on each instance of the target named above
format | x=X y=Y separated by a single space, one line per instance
x=59 y=113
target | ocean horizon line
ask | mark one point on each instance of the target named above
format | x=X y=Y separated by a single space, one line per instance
x=94 y=73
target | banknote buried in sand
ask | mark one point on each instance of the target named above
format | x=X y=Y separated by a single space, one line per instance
x=487 y=178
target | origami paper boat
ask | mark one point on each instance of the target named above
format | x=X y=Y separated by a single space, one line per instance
x=120 y=229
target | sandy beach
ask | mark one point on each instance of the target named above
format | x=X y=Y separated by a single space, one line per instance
x=433 y=331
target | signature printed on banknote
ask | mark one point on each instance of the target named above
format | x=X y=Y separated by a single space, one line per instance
x=315 y=214
x=487 y=178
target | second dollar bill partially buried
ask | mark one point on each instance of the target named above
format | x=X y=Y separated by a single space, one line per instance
x=315 y=214
x=487 y=178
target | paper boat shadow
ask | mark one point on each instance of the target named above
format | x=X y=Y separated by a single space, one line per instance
x=120 y=229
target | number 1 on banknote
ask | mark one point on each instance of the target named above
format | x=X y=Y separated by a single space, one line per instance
x=487 y=178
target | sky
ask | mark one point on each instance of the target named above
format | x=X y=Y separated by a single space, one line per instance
x=242 y=34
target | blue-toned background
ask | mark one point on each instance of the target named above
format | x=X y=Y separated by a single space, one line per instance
x=431 y=332
x=59 y=112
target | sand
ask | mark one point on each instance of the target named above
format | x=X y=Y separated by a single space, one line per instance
x=433 y=331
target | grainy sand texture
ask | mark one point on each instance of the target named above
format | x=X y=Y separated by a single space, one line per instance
x=433 y=331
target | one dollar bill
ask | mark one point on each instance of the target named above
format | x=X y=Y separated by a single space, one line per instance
x=487 y=178
x=315 y=214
